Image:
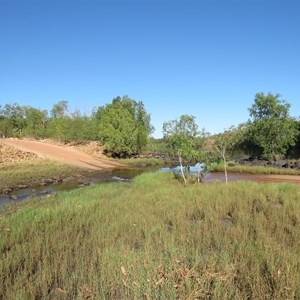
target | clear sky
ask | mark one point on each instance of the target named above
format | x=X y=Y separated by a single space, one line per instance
x=205 y=58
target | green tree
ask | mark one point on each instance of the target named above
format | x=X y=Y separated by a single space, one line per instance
x=272 y=129
x=35 y=122
x=59 y=110
x=143 y=126
x=124 y=126
x=227 y=141
x=185 y=140
x=13 y=120
x=59 y=125
x=6 y=126
x=80 y=127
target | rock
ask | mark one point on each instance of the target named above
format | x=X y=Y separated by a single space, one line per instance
x=47 y=192
x=281 y=163
x=7 y=191
x=297 y=164
x=68 y=179
x=47 y=181
x=22 y=186
x=228 y=220
x=14 y=197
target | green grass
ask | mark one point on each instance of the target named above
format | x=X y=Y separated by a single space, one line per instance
x=31 y=172
x=253 y=169
x=154 y=239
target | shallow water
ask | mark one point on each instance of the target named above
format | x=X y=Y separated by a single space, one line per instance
x=126 y=175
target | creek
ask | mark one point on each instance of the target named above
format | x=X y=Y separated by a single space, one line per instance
x=126 y=175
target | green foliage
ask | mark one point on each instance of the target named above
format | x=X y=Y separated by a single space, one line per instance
x=294 y=151
x=225 y=141
x=74 y=126
x=35 y=122
x=13 y=120
x=184 y=138
x=156 y=146
x=6 y=127
x=272 y=129
x=154 y=239
x=185 y=141
x=228 y=139
x=124 y=126
x=59 y=110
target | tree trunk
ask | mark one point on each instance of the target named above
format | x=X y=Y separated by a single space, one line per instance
x=225 y=169
x=181 y=168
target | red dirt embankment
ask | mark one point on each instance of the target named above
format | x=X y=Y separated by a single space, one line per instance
x=63 y=154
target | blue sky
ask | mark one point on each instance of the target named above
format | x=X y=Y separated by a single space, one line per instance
x=205 y=58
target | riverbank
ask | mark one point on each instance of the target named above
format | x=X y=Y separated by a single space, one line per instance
x=253 y=169
x=154 y=239
x=22 y=169
x=33 y=173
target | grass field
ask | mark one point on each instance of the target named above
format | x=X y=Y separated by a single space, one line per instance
x=31 y=172
x=154 y=239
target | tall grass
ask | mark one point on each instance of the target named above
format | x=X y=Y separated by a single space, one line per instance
x=154 y=239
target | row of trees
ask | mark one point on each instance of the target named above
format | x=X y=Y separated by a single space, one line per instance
x=27 y=121
x=270 y=132
x=124 y=127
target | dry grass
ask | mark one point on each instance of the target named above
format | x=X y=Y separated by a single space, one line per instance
x=154 y=239
x=31 y=172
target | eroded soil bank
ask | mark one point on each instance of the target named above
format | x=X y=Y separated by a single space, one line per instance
x=67 y=155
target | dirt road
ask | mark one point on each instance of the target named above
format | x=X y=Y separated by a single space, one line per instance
x=62 y=154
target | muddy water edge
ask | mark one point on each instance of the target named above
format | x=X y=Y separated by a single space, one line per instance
x=50 y=186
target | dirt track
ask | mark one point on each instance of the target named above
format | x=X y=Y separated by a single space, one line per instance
x=62 y=154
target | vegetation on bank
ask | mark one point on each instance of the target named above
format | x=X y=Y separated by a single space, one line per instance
x=32 y=172
x=252 y=169
x=145 y=162
x=124 y=128
x=211 y=241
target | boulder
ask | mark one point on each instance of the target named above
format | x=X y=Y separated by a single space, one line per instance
x=281 y=163
x=7 y=191
x=47 y=181
x=22 y=186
